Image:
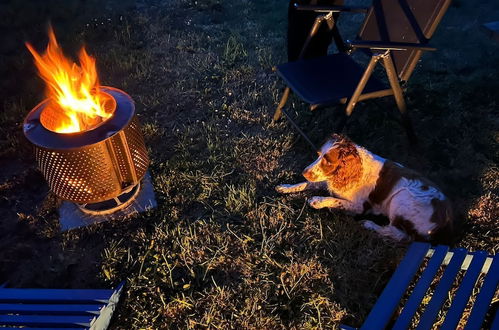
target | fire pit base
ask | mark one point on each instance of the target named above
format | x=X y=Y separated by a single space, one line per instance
x=71 y=216
x=112 y=205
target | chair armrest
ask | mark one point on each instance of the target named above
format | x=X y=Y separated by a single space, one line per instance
x=334 y=9
x=389 y=45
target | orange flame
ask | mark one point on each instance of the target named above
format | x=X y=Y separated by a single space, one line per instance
x=76 y=103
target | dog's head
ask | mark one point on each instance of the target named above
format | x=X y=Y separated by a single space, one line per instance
x=338 y=162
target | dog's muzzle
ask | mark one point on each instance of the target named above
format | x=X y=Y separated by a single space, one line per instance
x=309 y=175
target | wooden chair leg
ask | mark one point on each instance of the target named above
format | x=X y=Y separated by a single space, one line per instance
x=399 y=98
x=362 y=83
x=282 y=103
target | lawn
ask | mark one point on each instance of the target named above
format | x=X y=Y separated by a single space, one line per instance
x=223 y=249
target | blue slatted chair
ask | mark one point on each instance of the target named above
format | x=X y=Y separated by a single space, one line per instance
x=57 y=308
x=454 y=260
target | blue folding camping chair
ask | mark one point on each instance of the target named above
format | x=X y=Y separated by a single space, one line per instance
x=57 y=308
x=454 y=260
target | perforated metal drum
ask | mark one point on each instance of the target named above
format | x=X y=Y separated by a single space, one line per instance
x=95 y=165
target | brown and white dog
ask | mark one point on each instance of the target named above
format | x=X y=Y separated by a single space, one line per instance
x=360 y=182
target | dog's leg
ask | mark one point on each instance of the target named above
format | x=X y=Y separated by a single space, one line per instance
x=294 y=188
x=318 y=202
x=386 y=231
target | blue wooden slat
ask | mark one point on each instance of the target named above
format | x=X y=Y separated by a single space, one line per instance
x=54 y=295
x=47 y=320
x=442 y=289
x=484 y=297
x=414 y=301
x=385 y=306
x=464 y=292
x=50 y=309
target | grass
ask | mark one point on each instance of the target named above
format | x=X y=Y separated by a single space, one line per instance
x=223 y=250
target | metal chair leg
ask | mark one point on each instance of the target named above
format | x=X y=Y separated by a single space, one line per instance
x=282 y=103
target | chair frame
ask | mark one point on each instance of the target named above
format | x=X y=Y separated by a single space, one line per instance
x=381 y=52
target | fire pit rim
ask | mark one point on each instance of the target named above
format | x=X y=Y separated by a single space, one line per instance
x=46 y=139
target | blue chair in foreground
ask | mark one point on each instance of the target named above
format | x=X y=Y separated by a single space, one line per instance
x=454 y=260
x=57 y=308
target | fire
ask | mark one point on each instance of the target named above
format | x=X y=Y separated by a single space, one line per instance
x=76 y=103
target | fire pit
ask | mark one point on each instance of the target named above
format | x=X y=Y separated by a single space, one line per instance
x=87 y=137
x=100 y=169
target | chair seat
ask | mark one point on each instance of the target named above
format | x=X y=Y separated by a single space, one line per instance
x=326 y=80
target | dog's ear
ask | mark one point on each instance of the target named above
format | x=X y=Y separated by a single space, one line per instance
x=332 y=156
x=345 y=161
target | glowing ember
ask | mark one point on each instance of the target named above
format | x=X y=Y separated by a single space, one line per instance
x=76 y=103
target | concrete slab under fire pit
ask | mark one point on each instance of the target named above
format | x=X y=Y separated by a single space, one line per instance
x=70 y=216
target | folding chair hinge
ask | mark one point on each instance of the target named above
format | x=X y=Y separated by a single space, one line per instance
x=328 y=16
x=321 y=18
x=383 y=54
x=376 y=56
x=349 y=49
x=330 y=21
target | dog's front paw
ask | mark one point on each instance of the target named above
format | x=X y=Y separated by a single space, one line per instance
x=315 y=202
x=282 y=188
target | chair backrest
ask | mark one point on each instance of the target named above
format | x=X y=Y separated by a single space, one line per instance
x=412 y=21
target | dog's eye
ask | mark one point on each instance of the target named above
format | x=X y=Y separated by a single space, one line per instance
x=325 y=161
x=327 y=158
